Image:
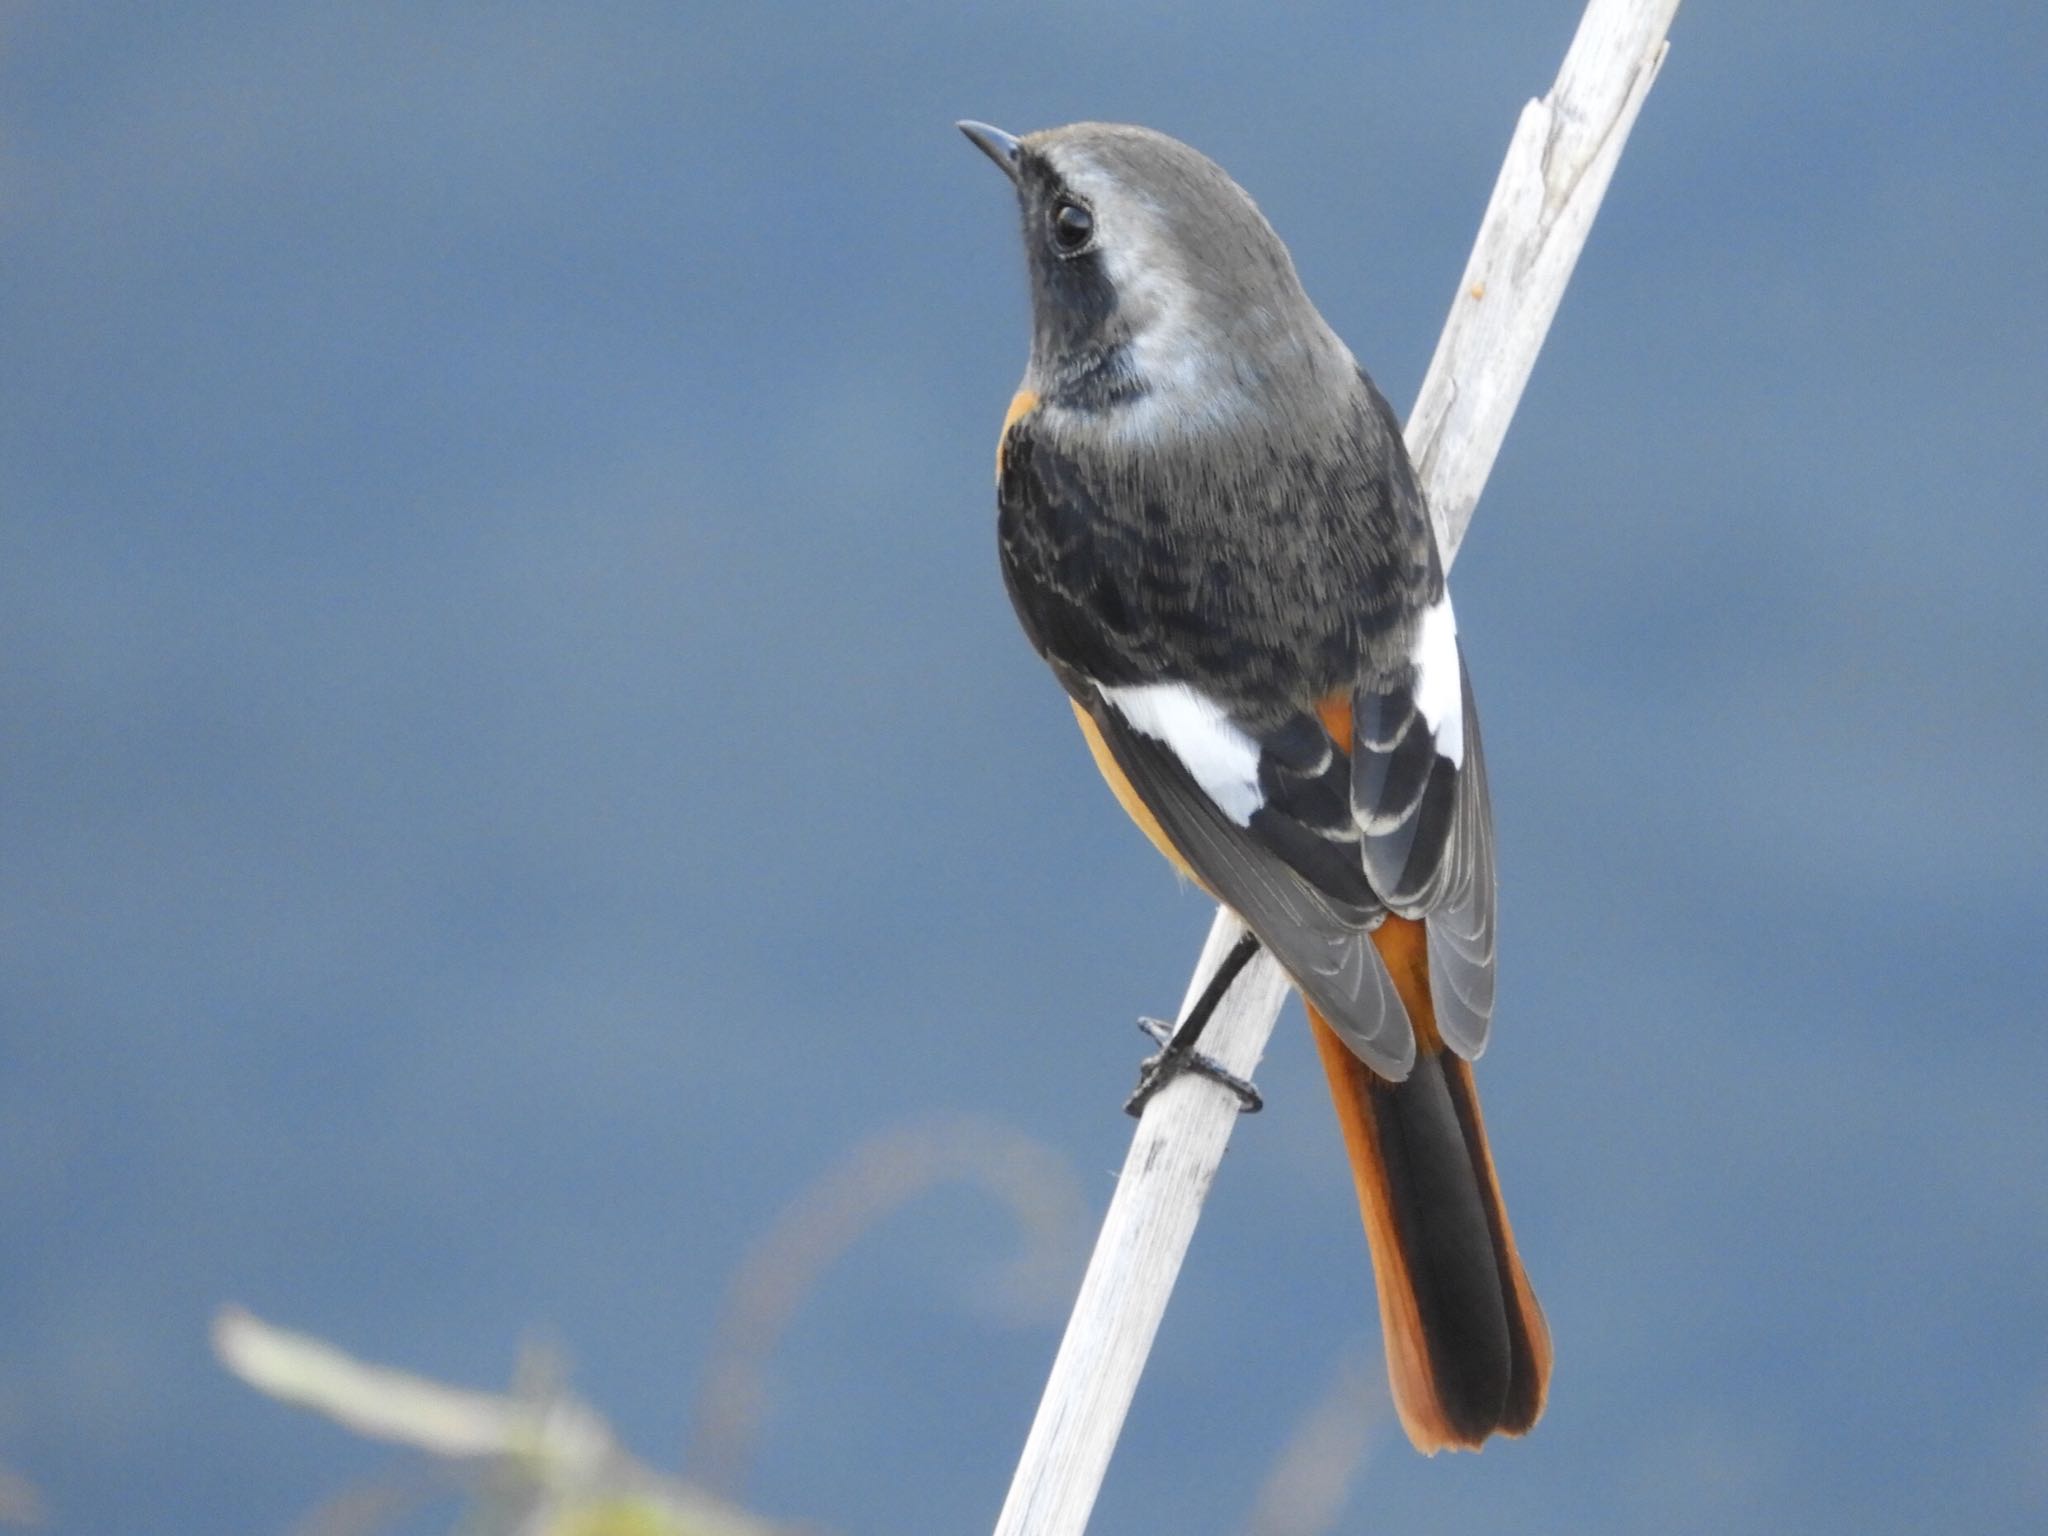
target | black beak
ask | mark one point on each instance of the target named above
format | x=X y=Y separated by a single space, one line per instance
x=996 y=144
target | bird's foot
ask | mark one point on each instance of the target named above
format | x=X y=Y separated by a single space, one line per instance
x=1178 y=1055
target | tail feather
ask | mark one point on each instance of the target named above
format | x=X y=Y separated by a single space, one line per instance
x=1468 y=1352
x=1528 y=1333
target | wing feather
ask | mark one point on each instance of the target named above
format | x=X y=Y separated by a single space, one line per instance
x=1323 y=942
x=1418 y=787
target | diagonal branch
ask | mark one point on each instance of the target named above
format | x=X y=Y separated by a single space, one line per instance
x=1558 y=165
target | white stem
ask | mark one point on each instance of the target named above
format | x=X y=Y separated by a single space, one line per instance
x=1558 y=165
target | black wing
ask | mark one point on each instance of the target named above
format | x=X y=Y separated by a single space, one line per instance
x=1418 y=790
x=1320 y=935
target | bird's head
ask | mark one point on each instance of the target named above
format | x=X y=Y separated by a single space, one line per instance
x=1152 y=272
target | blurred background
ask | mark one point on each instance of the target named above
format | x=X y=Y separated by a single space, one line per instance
x=514 y=755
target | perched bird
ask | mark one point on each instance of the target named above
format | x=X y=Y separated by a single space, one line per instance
x=1211 y=531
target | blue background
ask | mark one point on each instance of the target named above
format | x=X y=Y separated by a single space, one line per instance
x=516 y=755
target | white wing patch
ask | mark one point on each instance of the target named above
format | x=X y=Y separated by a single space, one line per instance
x=1194 y=728
x=1439 y=690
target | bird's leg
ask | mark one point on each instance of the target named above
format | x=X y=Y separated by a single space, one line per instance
x=1178 y=1054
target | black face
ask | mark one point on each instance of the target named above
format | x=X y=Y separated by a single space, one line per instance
x=1074 y=305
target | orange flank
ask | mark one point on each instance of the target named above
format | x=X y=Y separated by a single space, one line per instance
x=1335 y=713
x=1023 y=403
x=1126 y=796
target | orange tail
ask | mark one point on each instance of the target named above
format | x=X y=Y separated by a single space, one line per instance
x=1468 y=1352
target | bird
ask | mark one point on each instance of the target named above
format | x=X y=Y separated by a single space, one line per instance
x=1211 y=530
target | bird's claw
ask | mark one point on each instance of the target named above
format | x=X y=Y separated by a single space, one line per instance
x=1156 y=1071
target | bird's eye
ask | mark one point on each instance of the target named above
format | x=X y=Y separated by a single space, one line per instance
x=1072 y=225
